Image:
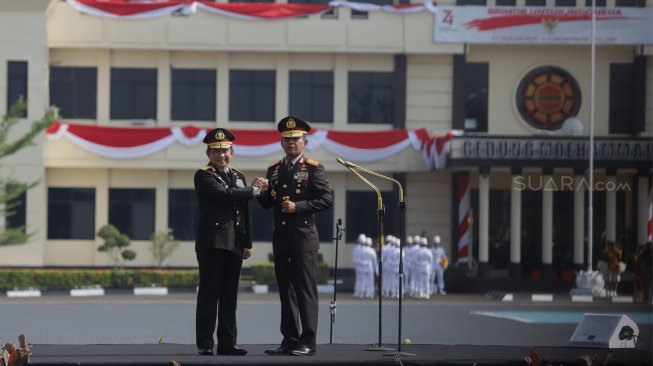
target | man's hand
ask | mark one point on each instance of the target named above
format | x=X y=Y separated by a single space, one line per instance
x=288 y=206
x=260 y=182
x=247 y=253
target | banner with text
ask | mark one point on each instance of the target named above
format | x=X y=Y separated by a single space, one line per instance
x=527 y=25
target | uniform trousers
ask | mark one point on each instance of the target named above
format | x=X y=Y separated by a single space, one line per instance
x=296 y=277
x=217 y=295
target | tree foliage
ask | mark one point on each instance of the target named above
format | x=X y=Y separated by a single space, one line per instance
x=11 y=189
x=115 y=245
x=163 y=244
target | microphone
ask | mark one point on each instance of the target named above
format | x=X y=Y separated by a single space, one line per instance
x=349 y=165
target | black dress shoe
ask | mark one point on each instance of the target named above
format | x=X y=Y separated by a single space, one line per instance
x=231 y=351
x=281 y=350
x=302 y=351
x=205 y=351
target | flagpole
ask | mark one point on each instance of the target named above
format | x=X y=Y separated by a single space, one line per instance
x=590 y=205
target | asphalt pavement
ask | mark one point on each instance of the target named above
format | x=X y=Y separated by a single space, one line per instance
x=455 y=319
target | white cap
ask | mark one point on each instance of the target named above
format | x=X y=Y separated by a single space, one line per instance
x=368 y=241
x=436 y=239
x=361 y=239
x=409 y=239
x=424 y=241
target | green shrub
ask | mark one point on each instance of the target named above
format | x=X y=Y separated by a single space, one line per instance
x=263 y=273
x=65 y=279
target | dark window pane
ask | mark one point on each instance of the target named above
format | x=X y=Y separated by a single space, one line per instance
x=370 y=98
x=311 y=95
x=571 y=3
x=74 y=91
x=17 y=208
x=357 y=14
x=71 y=213
x=261 y=222
x=16 y=83
x=131 y=210
x=252 y=95
x=193 y=94
x=506 y=2
x=476 y=96
x=472 y=2
x=628 y=3
x=597 y=3
x=133 y=93
x=535 y=2
x=362 y=215
x=621 y=98
x=183 y=213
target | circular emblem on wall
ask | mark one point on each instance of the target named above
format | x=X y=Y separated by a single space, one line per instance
x=547 y=96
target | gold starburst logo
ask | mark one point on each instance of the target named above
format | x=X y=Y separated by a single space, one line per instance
x=291 y=123
x=219 y=135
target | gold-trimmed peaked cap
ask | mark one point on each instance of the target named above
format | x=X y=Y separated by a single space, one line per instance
x=219 y=138
x=293 y=127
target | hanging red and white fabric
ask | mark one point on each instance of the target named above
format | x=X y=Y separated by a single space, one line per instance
x=138 y=9
x=137 y=142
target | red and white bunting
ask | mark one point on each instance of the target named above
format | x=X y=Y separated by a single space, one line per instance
x=250 y=11
x=137 y=142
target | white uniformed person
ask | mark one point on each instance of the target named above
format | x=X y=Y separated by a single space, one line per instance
x=424 y=264
x=358 y=265
x=441 y=261
x=369 y=268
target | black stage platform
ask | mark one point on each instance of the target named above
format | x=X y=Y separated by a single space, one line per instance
x=327 y=354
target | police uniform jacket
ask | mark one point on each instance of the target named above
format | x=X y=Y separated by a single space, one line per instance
x=224 y=210
x=307 y=186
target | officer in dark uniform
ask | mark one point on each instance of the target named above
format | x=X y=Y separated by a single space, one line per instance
x=223 y=241
x=298 y=189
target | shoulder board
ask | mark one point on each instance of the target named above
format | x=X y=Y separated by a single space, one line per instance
x=237 y=171
x=206 y=167
x=274 y=163
x=312 y=162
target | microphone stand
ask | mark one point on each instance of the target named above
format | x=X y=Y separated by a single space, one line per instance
x=402 y=235
x=379 y=346
x=332 y=306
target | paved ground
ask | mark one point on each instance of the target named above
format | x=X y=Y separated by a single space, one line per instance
x=447 y=320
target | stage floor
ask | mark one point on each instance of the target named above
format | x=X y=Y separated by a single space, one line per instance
x=327 y=354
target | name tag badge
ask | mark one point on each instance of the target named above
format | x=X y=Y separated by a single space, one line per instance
x=240 y=183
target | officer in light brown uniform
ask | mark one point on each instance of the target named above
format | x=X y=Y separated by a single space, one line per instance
x=222 y=242
x=298 y=188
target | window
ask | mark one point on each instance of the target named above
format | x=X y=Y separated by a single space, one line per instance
x=357 y=14
x=311 y=95
x=133 y=93
x=630 y=3
x=183 y=213
x=252 y=95
x=506 y=2
x=476 y=97
x=621 y=98
x=16 y=207
x=370 y=98
x=565 y=3
x=74 y=91
x=597 y=3
x=71 y=213
x=193 y=95
x=535 y=2
x=328 y=14
x=16 y=83
x=131 y=210
x=471 y=2
x=362 y=215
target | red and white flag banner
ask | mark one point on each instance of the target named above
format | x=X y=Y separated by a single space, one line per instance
x=464 y=237
x=138 y=142
x=529 y=25
x=138 y=9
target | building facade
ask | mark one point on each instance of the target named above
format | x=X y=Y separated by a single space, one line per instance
x=510 y=192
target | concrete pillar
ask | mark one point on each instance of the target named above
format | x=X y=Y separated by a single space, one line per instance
x=611 y=208
x=579 y=222
x=643 y=205
x=515 y=227
x=547 y=226
x=483 y=223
